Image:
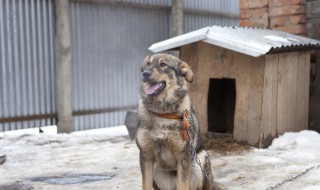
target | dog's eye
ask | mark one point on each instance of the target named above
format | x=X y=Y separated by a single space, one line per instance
x=162 y=64
x=148 y=64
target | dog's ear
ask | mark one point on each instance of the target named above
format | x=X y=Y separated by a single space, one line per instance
x=186 y=71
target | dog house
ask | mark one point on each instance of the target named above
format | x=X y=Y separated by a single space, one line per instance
x=251 y=82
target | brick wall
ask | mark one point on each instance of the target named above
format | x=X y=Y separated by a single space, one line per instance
x=284 y=15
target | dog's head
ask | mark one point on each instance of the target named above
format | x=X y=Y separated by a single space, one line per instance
x=164 y=78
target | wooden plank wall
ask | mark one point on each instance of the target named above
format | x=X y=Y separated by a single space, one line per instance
x=286 y=94
x=209 y=61
x=293 y=92
x=271 y=91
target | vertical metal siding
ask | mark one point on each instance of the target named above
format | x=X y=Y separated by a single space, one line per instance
x=220 y=10
x=197 y=21
x=221 y=6
x=26 y=63
x=109 y=43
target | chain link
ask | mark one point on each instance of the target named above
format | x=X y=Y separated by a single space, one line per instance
x=293 y=178
x=196 y=158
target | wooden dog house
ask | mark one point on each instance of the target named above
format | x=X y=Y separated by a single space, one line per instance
x=251 y=82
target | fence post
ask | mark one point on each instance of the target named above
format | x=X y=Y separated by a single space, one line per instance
x=177 y=17
x=63 y=67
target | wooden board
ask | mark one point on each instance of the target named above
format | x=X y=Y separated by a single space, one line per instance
x=188 y=54
x=302 y=99
x=287 y=92
x=269 y=102
x=274 y=109
x=255 y=95
x=242 y=96
x=203 y=73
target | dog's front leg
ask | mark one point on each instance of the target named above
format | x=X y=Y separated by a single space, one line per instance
x=184 y=172
x=146 y=166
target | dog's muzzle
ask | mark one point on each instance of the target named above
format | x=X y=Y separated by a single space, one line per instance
x=154 y=88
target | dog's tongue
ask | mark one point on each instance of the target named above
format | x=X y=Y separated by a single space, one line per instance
x=151 y=89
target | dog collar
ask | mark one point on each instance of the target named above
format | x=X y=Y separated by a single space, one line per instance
x=184 y=133
x=169 y=115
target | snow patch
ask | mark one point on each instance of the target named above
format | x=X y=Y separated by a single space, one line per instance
x=302 y=146
x=110 y=150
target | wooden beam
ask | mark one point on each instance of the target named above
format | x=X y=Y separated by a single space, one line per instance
x=63 y=67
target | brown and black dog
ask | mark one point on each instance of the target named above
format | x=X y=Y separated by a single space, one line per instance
x=168 y=133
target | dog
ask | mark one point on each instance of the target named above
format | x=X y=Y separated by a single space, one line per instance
x=168 y=136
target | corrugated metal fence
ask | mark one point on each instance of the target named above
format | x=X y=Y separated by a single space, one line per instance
x=109 y=41
x=26 y=64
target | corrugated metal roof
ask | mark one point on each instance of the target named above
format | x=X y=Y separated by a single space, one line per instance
x=251 y=41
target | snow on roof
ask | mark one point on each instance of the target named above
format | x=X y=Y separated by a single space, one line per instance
x=251 y=41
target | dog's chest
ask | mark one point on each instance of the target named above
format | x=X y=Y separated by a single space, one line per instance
x=164 y=146
x=162 y=138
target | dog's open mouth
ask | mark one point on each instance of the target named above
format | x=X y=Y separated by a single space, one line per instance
x=154 y=88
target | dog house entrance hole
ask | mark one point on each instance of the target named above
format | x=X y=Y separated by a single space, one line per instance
x=221 y=105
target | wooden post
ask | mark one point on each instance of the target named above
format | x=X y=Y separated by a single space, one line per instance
x=177 y=17
x=63 y=67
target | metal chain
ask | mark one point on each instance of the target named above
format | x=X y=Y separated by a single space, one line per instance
x=293 y=178
x=196 y=158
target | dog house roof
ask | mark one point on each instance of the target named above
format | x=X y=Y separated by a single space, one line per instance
x=251 y=41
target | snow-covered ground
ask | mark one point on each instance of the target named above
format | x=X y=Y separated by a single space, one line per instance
x=109 y=152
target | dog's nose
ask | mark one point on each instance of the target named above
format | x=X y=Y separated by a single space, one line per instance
x=146 y=73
